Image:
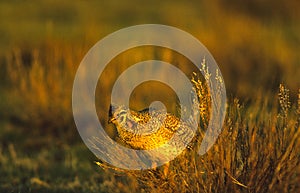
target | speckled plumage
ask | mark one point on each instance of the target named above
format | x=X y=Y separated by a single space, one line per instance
x=142 y=130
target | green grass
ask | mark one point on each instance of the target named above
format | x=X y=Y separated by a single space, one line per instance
x=42 y=44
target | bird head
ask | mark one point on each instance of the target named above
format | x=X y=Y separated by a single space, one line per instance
x=117 y=114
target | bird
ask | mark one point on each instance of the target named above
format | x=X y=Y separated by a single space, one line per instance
x=148 y=128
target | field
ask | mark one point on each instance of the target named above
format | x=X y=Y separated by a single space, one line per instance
x=256 y=45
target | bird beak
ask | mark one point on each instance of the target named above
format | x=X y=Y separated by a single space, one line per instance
x=111 y=120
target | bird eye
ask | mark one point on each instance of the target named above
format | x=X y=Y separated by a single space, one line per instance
x=122 y=118
x=120 y=114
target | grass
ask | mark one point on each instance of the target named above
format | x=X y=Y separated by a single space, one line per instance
x=256 y=153
x=258 y=150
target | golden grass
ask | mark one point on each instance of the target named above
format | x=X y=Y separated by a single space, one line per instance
x=258 y=150
x=252 y=154
x=256 y=45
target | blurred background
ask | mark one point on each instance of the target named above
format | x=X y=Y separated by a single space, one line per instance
x=256 y=44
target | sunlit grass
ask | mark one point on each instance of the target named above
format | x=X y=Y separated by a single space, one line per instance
x=42 y=45
x=256 y=152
